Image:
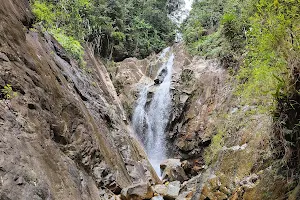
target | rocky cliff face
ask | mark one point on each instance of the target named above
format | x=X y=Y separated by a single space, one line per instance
x=64 y=135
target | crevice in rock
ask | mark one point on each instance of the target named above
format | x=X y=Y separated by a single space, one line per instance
x=58 y=80
x=60 y=52
x=108 y=120
x=57 y=135
x=31 y=106
x=80 y=94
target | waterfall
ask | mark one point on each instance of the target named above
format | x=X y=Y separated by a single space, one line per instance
x=139 y=115
x=157 y=119
x=180 y=14
x=150 y=122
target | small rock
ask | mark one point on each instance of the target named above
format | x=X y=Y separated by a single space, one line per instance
x=137 y=191
x=170 y=163
x=186 y=145
x=197 y=169
x=157 y=198
x=183 y=98
x=20 y=181
x=220 y=195
x=117 y=197
x=249 y=181
x=173 y=190
x=3 y=57
x=186 y=164
x=161 y=189
x=185 y=196
x=225 y=190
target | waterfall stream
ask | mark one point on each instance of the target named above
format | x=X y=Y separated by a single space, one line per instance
x=157 y=119
x=150 y=119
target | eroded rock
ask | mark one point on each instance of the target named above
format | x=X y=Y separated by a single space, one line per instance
x=65 y=134
x=172 y=170
x=173 y=190
x=160 y=189
x=137 y=192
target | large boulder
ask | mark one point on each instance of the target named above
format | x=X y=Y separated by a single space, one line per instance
x=161 y=76
x=169 y=190
x=172 y=170
x=137 y=192
x=173 y=190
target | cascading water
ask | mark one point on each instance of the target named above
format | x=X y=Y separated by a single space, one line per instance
x=139 y=115
x=149 y=122
x=157 y=119
x=180 y=14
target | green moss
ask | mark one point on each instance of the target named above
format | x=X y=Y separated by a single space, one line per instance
x=211 y=153
x=263 y=83
x=210 y=46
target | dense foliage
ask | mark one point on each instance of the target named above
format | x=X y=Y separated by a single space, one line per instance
x=260 y=40
x=116 y=28
x=217 y=29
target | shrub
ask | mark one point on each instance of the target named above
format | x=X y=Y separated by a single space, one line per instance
x=8 y=92
x=43 y=12
x=72 y=45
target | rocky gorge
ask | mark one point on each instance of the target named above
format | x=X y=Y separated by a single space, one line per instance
x=68 y=132
x=217 y=147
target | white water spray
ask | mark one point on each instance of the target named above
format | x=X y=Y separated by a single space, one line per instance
x=157 y=119
x=150 y=122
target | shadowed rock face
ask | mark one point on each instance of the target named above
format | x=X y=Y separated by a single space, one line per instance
x=65 y=135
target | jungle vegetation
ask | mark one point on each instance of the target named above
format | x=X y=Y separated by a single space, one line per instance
x=259 y=41
x=115 y=28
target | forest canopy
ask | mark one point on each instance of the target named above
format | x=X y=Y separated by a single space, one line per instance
x=116 y=28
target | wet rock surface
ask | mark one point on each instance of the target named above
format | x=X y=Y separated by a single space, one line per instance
x=64 y=135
